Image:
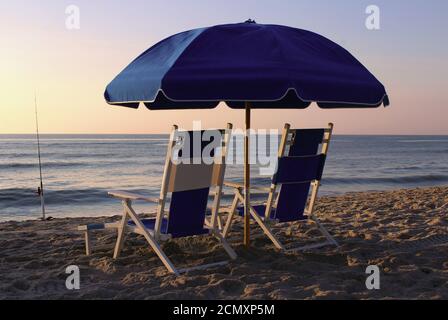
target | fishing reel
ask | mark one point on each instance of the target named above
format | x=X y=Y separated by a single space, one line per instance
x=39 y=191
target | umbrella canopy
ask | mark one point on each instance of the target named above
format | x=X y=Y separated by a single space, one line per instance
x=271 y=66
x=247 y=65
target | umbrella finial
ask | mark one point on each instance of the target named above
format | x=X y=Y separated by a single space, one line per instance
x=250 y=21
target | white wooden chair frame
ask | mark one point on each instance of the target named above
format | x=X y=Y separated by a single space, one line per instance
x=154 y=237
x=265 y=221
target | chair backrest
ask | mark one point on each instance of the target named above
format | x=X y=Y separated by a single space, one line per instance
x=189 y=177
x=301 y=163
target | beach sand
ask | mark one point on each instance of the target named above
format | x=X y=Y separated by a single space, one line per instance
x=404 y=232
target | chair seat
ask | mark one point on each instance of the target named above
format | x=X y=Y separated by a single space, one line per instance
x=151 y=223
x=261 y=209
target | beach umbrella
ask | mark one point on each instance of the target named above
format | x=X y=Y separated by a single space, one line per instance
x=247 y=66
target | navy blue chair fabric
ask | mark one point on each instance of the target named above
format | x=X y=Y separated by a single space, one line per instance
x=187 y=213
x=291 y=202
x=306 y=142
x=295 y=172
x=299 y=169
x=188 y=150
x=260 y=209
x=151 y=223
x=188 y=208
x=302 y=165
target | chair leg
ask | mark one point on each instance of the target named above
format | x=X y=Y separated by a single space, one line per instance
x=225 y=244
x=152 y=242
x=121 y=235
x=229 y=221
x=262 y=225
x=232 y=254
x=324 y=231
x=160 y=253
x=330 y=239
x=266 y=229
x=87 y=239
x=219 y=222
x=228 y=225
x=209 y=223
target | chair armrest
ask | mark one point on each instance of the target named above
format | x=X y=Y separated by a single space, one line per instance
x=234 y=185
x=241 y=186
x=225 y=210
x=99 y=226
x=123 y=195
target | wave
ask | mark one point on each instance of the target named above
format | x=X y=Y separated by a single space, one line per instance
x=400 y=180
x=32 y=139
x=21 y=165
x=107 y=143
x=92 y=155
x=423 y=140
x=116 y=162
x=25 y=197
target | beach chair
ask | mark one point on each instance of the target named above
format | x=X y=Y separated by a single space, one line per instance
x=299 y=169
x=189 y=186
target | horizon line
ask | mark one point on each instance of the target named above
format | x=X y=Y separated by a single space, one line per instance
x=167 y=133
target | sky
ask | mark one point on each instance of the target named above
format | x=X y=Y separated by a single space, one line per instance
x=69 y=69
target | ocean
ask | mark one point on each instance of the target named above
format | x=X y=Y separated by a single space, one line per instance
x=78 y=170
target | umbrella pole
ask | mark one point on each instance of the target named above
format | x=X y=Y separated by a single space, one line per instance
x=247 y=179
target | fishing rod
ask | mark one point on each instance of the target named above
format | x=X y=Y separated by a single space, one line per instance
x=40 y=189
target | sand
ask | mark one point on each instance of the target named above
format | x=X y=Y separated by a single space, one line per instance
x=404 y=232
